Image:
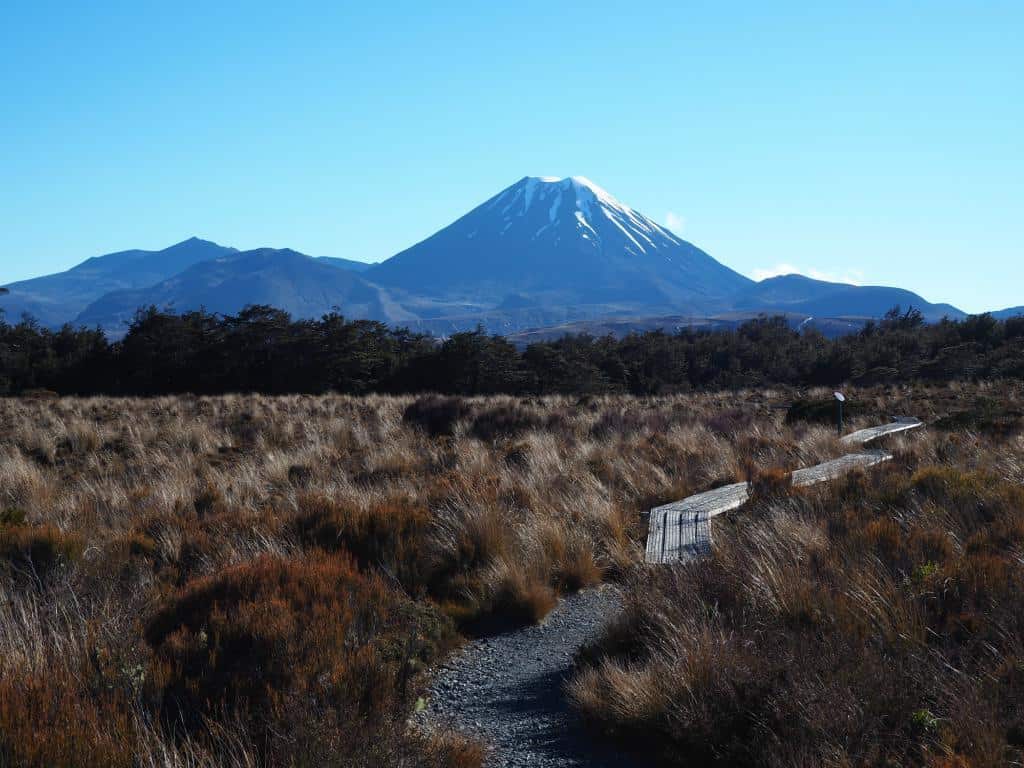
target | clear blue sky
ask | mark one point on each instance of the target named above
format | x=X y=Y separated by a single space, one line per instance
x=875 y=140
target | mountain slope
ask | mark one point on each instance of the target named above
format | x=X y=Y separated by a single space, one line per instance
x=559 y=241
x=350 y=264
x=1004 y=314
x=285 y=279
x=56 y=299
x=796 y=293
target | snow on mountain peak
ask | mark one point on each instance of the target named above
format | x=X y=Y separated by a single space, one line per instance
x=581 y=185
x=577 y=203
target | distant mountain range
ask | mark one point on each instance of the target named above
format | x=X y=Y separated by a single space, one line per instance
x=818 y=298
x=57 y=299
x=294 y=282
x=545 y=253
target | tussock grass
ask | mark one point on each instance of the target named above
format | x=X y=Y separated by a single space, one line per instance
x=250 y=580
x=875 y=620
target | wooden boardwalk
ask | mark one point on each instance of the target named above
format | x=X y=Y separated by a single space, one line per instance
x=682 y=530
x=862 y=436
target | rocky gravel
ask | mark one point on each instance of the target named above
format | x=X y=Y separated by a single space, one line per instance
x=508 y=690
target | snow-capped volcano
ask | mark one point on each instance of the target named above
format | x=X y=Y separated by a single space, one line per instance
x=585 y=206
x=560 y=240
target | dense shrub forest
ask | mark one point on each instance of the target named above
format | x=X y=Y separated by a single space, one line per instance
x=263 y=350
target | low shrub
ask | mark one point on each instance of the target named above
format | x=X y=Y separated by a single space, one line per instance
x=388 y=534
x=984 y=415
x=37 y=550
x=52 y=721
x=436 y=415
x=503 y=421
x=826 y=411
x=305 y=647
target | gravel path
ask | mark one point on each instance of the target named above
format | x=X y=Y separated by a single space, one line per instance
x=507 y=690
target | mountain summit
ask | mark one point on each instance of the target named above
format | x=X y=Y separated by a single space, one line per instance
x=544 y=253
x=545 y=240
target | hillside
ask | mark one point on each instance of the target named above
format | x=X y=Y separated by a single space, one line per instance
x=58 y=298
x=350 y=264
x=285 y=279
x=804 y=295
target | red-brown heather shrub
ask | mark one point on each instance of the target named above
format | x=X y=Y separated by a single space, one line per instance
x=387 y=534
x=51 y=721
x=268 y=638
x=35 y=551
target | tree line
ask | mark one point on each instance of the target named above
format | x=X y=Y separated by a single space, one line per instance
x=262 y=349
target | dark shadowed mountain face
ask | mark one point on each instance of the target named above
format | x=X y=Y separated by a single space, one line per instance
x=285 y=279
x=547 y=241
x=804 y=295
x=56 y=299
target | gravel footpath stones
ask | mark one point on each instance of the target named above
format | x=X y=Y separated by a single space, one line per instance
x=507 y=690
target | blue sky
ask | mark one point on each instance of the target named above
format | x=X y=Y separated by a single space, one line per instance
x=874 y=141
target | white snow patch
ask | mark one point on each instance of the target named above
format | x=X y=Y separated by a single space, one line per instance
x=614 y=220
x=553 y=213
x=643 y=234
x=507 y=208
x=584 y=224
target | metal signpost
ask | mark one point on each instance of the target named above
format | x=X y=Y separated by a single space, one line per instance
x=840 y=399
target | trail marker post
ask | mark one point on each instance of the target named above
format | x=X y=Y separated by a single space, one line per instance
x=840 y=399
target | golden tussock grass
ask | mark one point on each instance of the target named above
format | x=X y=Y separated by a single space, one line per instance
x=249 y=580
x=875 y=620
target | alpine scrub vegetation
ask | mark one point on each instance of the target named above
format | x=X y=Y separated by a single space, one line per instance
x=263 y=349
x=875 y=621
x=252 y=580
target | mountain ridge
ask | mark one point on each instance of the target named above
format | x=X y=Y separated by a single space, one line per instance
x=1004 y=314
x=58 y=298
x=543 y=252
x=301 y=285
x=802 y=294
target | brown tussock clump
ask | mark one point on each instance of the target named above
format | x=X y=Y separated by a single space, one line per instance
x=334 y=544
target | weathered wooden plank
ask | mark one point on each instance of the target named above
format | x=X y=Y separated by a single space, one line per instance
x=862 y=436
x=830 y=470
x=715 y=501
x=682 y=529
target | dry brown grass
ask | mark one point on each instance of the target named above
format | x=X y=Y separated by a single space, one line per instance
x=877 y=620
x=138 y=537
